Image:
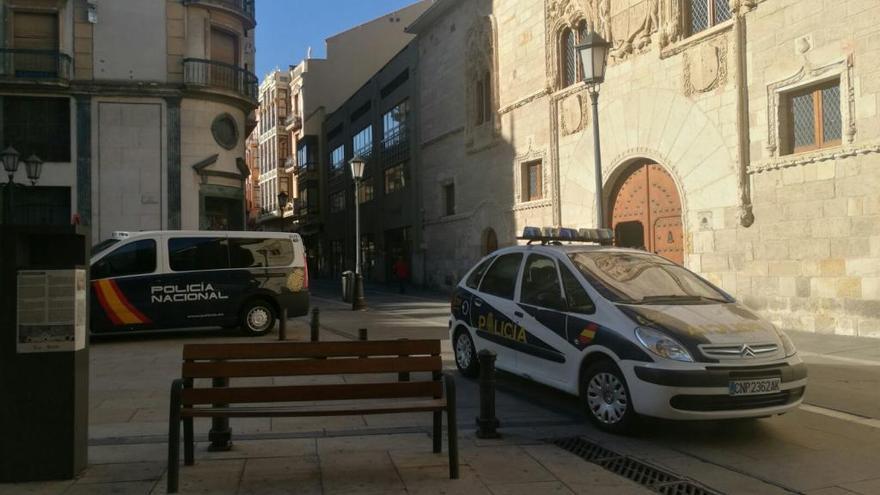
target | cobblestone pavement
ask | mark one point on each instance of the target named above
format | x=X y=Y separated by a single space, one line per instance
x=827 y=447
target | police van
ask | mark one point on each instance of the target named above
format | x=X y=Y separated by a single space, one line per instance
x=181 y=279
x=629 y=332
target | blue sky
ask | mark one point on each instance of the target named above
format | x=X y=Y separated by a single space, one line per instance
x=286 y=28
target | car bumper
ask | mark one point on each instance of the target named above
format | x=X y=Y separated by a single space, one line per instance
x=701 y=391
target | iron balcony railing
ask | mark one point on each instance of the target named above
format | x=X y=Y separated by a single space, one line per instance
x=211 y=74
x=22 y=63
x=395 y=146
x=306 y=168
x=243 y=7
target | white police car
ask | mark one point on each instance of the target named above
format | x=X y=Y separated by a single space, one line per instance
x=628 y=331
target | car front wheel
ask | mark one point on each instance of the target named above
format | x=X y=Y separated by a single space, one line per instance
x=466 y=354
x=607 y=399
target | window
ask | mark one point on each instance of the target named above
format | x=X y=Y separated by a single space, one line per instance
x=337 y=201
x=540 y=283
x=198 y=253
x=337 y=159
x=260 y=253
x=394 y=124
x=533 y=184
x=473 y=281
x=568 y=69
x=362 y=143
x=136 y=258
x=500 y=280
x=337 y=256
x=812 y=118
x=394 y=180
x=483 y=93
x=368 y=255
x=35 y=31
x=449 y=198
x=37 y=126
x=365 y=191
x=576 y=298
x=704 y=14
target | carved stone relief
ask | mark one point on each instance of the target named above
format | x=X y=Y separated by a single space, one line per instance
x=573 y=113
x=705 y=67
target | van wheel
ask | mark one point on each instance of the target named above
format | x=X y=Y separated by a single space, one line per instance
x=257 y=318
x=465 y=354
x=607 y=399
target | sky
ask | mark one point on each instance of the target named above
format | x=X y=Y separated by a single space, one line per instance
x=287 y=28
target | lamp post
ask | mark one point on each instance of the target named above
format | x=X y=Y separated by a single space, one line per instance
x=594 y=56
x=11 y=160
x=357 y=296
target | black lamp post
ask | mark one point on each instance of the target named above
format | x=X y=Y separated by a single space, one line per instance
x=594 y=57
x=11 y=160
x=357 y=296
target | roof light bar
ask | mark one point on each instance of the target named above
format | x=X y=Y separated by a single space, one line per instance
x=556 y=234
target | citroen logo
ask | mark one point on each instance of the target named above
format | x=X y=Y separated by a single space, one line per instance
x=747 y=351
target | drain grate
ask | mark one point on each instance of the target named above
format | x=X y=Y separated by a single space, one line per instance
x=644 y=474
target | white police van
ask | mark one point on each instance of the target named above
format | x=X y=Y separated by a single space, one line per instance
x=628 y=331
x=182 y=279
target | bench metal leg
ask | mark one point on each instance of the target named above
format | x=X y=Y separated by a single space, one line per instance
x=174 y=436
x=188 y=442
x=438 y=431
x=452 y=426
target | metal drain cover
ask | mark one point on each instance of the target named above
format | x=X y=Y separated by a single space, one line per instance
x=632 y=469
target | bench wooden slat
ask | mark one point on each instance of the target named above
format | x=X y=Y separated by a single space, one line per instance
x=342 y=366
x=294 y=393
x=323 y=410
x=310 y=349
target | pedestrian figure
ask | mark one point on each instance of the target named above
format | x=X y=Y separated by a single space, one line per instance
x=401 y=272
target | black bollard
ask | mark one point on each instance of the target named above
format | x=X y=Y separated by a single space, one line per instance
x=220 y=434
x=315 y=324
x=362 y=334
x=487 y=423
x=282 y=325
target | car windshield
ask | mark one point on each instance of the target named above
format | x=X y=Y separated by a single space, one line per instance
x=103 y=245
x=642 y=278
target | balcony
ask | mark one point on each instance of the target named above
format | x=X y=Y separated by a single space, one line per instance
x=293 y=122
x=290 y=165
x=306 y=171
x=28 y=65
x=201 y=73
x=241 y=8
x=395 y=146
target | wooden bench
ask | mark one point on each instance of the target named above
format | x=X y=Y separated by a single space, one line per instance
x=222 y=362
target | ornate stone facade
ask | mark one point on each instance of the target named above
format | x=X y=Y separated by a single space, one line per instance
x=794 y=235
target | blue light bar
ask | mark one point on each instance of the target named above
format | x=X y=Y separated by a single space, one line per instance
x=556 y=234
x=531 y=233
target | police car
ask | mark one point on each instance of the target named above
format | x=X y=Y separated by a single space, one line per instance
x=629 y=332
x=178 y=279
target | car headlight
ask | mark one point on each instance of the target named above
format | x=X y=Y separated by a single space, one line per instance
x=662 y=345
x=787 y=344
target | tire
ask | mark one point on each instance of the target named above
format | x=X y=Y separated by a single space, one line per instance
x=606 y=398
x=465 y=354
x=257 y=318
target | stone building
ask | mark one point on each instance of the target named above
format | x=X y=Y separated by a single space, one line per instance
x=139 y=108
x=374 y=124
x=273 y=148
x=739 y=137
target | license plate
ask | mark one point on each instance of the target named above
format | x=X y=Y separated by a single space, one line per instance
x=754 y=387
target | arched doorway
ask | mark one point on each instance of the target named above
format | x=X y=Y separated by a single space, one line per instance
x=646 y=212
x=490 y=241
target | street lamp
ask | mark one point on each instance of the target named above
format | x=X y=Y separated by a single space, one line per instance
x=357 y=296
x=594 y=58
x=34 y=167
x=11 y=160
x=282 y=201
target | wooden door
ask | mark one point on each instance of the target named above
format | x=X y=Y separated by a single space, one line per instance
x=646 y=212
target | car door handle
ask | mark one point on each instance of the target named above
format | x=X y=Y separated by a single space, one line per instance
x=478 y=303
x=518 y=313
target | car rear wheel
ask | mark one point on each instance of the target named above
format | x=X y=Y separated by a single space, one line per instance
x=607 y=399
x=257 y=318
x=466 y=354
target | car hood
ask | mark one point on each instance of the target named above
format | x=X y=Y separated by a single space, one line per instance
x=694 y=324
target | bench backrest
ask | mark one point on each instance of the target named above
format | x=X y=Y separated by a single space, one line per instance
x=287 y=359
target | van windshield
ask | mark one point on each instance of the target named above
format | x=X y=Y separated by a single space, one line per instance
x=103 y=245
x=643 y=278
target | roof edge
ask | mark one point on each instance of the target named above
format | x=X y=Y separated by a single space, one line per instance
x=428 y=17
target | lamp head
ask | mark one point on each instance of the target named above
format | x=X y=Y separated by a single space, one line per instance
x=10 y=160
x=34 y=167
x=593 y=52
x=357 y=167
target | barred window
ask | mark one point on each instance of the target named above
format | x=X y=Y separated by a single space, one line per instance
x=812 y=118
x=337 y=159
x=394 y=180
x=362 y=143
x=704 y=14
x=532 y=181
x=365 y=191
x=337 y=201
x=568 y=59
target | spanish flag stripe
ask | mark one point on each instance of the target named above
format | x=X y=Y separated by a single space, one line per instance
x=116 y=305
x=130 y=307
x=99 y=291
